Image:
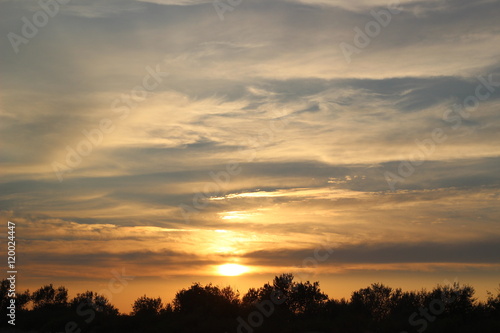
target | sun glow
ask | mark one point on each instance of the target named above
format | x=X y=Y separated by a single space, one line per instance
x=232 y=269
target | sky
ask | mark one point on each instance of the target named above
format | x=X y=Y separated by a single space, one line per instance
x=156 y=140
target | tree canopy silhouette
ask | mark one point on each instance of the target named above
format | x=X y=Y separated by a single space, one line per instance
x=281 y=306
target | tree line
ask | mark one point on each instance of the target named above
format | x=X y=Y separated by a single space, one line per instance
x=282 y=306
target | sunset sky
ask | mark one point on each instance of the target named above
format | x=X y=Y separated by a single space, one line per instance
x=165 y=138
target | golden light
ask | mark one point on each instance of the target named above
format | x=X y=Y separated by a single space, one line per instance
x=232 y=269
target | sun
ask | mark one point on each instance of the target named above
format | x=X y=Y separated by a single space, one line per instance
x=232 y=269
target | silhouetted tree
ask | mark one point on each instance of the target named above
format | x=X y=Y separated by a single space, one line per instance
x=250 y=298
x=47 y=296
x=290 y=305
x=4 y=291
x=378 y=300
x=22 y=299
x=168 y=309
x=493 y=303
x=97 y=302
x=408 y=302
x=147 y=306
x=284 y=306
x=458 y=300
x=207 y=299
x=307 y=298
x=206 y=308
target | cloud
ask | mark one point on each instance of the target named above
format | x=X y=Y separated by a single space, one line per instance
x=177 y=2
x=98 y=9
x=268 y=88
x=370 y=255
